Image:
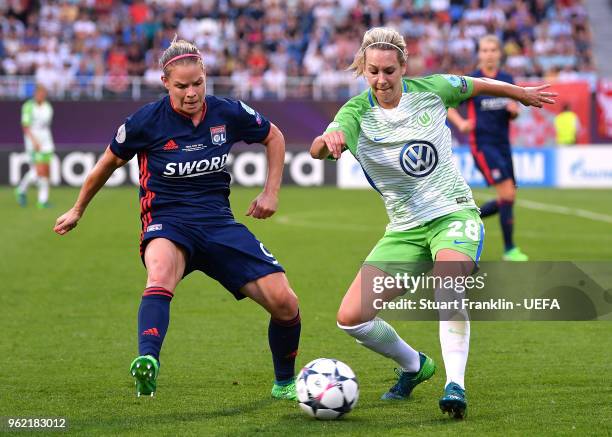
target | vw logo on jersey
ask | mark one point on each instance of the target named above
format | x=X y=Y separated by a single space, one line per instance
x=418 y=158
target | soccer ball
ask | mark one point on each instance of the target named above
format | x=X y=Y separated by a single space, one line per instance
x=327 y=389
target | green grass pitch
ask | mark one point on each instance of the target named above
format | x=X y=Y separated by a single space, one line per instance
x=68 y=327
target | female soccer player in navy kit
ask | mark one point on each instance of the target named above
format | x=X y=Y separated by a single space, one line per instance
x=488 y=124
x=182 y=142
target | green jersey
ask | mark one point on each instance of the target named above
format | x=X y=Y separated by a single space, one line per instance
x=38 y=118
x=406 y=152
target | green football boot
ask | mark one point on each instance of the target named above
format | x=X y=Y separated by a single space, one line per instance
x=21 y=198
x=43 y=205
x=453 y=402
x=145 y=369
x=285 y=391
x=515 y=254
x=407 y=381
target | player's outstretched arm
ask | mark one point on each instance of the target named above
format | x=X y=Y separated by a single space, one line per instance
x=94 y=181
x=330 y=143
x=528 y=96
x=266 y=203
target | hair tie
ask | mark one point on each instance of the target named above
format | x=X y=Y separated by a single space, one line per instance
x=176 y=58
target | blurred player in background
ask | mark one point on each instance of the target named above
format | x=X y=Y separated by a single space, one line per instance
x=488 y=124
x=36 y=118
x=567 y=126
x=183 y=142
x=396 y=130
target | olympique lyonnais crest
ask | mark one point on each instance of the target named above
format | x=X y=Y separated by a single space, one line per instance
x=217 y=135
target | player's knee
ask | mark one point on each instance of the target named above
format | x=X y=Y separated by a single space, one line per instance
x=160 y=273
x=507 y=192
x=283 y=304
x=347 y=318
x=507 y=196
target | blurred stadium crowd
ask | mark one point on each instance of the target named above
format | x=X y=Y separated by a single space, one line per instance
x=258 y=47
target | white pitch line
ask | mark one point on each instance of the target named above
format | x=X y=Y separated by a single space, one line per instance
x=302 y=222
x=583 y=236
x=559 y=209
x=578 y=212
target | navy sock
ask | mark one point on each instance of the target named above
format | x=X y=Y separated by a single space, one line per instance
x=284 y=338
x=506 y=220
x=153 y=319
x=489 y=208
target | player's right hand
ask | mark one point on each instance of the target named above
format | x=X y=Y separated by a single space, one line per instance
x=335 y=142
x=67 y=222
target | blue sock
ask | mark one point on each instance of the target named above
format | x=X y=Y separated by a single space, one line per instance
x=153 y=319
x=506 y=220
x=284 y=338
x=489 y=208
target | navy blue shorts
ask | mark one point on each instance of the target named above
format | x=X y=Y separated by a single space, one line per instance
x=495 y=163
x=228 y=252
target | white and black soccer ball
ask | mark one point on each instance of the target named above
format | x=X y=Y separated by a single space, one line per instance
x=327 y=389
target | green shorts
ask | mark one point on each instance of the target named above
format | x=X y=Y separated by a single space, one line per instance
x=41 y=157
x=461 y=231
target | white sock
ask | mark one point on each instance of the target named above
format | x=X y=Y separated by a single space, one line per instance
x=380 y=337
x=455 y=343
x=43 y=190
x=29 y=178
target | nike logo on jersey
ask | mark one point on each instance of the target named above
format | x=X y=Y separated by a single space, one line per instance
x=460 y=242
x=379 y=138
x=195 y=168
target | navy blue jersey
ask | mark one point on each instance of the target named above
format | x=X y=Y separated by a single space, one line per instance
x=183 y=176
x=492 y=120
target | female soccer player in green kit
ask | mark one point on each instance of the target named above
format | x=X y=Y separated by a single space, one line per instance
x=396 y=130
x=36 y=118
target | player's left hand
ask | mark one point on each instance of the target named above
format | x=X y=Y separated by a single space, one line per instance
x=263 y=206
x=534 y=96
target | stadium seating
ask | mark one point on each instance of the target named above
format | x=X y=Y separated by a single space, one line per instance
x=103 y=48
